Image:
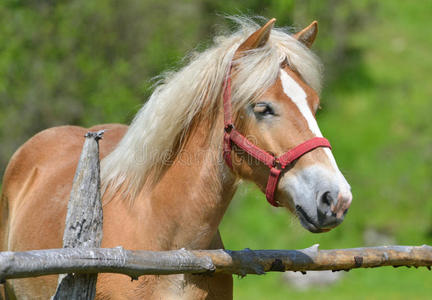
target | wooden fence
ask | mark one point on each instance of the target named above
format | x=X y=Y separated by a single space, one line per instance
x=81 y=259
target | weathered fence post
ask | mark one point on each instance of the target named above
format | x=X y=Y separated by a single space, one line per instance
x=84 y=219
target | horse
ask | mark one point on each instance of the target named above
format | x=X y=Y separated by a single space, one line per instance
x=240 y=110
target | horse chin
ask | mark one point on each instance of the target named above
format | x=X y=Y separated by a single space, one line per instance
x=312 y=228
x=306 y=222
x=288 y=203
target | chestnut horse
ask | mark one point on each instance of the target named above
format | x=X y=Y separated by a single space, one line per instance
x=164 y=179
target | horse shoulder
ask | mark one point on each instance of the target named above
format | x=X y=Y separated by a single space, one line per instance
x=35 y=191
x=52 y=153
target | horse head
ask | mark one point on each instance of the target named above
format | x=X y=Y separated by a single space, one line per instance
x=280 y=118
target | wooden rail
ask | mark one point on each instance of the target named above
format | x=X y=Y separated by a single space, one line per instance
x=137 y=263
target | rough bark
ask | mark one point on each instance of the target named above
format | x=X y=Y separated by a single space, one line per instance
x=137 y=263
x=84 y=219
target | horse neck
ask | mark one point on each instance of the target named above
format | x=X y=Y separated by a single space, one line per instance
x=189 y=201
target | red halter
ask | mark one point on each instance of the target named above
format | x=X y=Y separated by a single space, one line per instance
x=276 y=164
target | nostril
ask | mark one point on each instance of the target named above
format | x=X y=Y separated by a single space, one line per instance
x=326 y=205
x=326 y=199
x=331 y=208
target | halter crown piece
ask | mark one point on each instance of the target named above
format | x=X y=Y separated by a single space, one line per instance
x=276 y=164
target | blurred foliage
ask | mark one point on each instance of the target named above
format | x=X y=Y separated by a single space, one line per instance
x=83 y=62
x=87 y=62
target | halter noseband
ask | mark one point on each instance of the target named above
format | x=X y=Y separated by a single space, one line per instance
x=276 y=164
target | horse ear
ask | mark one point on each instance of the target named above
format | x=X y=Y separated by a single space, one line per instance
x=257 y=39
x=308 y=34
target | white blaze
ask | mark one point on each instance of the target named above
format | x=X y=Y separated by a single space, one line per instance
x=293 y=90
x=296 y=93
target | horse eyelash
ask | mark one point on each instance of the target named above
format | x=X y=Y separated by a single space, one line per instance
x=268 y=108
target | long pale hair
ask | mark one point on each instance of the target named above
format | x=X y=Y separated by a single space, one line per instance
x=159 y=128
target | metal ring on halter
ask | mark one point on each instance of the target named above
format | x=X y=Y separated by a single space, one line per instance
x=277 y=164
x=229 y=128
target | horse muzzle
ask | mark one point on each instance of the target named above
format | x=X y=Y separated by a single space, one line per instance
x=321 y=200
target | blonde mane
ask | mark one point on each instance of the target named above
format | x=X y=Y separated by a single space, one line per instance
x=160 y=125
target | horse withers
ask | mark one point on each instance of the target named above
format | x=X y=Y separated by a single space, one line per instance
x=243 y=109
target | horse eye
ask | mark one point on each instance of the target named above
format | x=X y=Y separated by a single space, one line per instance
x=263 y=109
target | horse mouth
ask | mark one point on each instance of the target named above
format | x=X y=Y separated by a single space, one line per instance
x=307 y=222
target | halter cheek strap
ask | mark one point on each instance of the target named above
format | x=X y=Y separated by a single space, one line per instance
x=275 y=164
